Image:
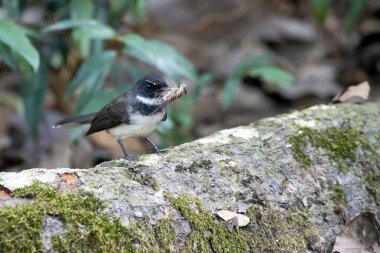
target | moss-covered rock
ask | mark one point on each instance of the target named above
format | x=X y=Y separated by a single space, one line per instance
x=86 y=228
x=268 y=231
x=301 y=175
x=340 y=144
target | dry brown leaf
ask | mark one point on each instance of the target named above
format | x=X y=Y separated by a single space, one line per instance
x=4 y=193
x=68 y=178
x=227 y=215
x=360 y=235
x=354 y=94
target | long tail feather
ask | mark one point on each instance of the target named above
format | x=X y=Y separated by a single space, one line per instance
x=82 y=119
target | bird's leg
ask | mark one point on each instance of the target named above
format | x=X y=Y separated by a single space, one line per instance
x=154 y=147
x=125 y=155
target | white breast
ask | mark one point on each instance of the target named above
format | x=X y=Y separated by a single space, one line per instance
x=140 y=126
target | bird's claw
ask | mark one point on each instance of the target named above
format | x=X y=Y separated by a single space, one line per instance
x=129 y=158
x=164 y=150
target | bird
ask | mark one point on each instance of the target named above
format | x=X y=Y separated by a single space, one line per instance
x=135 y=113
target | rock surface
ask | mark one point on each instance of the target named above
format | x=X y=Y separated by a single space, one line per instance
x=299 y=177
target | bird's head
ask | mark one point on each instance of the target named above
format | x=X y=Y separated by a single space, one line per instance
x=150 y=89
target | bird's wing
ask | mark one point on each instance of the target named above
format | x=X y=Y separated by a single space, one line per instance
x=111 y=115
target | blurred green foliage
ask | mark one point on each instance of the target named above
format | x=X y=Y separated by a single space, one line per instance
x=87 y=30
x=265 y=67
x=321 y=10
x=16 y=44
x=86 y=27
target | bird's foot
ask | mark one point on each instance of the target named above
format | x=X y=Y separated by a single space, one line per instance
x=129 y=158
x=163 y=150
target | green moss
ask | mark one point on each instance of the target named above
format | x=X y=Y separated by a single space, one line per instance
x=339 y=198
x=339 y=144
x=157 y=238
x=194 y=166
x=20 y=228
x=284 y=183
x=268 y=231
x=297 y=142
x=269 y=171
x=87 y=228
x=338 y=193
x=372 y=181
x=377 y=138
x=275 y=231
x=147 y=181
x=165 y=234
x=143 y=178
x=208 y=235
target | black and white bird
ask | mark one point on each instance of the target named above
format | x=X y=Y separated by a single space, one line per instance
x=135 y=113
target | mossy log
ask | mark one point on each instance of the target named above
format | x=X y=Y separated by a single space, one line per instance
x=299 y=177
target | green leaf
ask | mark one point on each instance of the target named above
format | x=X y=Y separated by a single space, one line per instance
x=273 y=75
x=230 y=88
x=7 y=57
x=85 y=32
x=90 y=70
x=203 y=80
x=13 y=8
x=92 y=74
x=118 y=8
x=232 y=84
x=11 y=101
x=139 y=9
x=82 y=39
x=14 y=37
x=95 y=29
x=81 y=9
x=92 y=84
x=33 y=94
x=353 y=14
x=321 y=9
x=161 y=55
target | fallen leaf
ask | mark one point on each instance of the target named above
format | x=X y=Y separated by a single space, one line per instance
x=361 y=234
x=354 y=94
x=4 y=193
x=69 y=178
x=227 y=215
x=232 y=223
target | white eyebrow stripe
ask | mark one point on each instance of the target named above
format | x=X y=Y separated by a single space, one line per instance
x=151 y=82
x=149 y=101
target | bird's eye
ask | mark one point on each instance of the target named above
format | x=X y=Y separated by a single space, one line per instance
x=149 y=87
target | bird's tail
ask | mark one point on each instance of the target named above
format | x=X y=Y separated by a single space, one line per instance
x=82 y=119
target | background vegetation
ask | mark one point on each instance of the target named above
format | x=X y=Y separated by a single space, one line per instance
x=72 y=57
